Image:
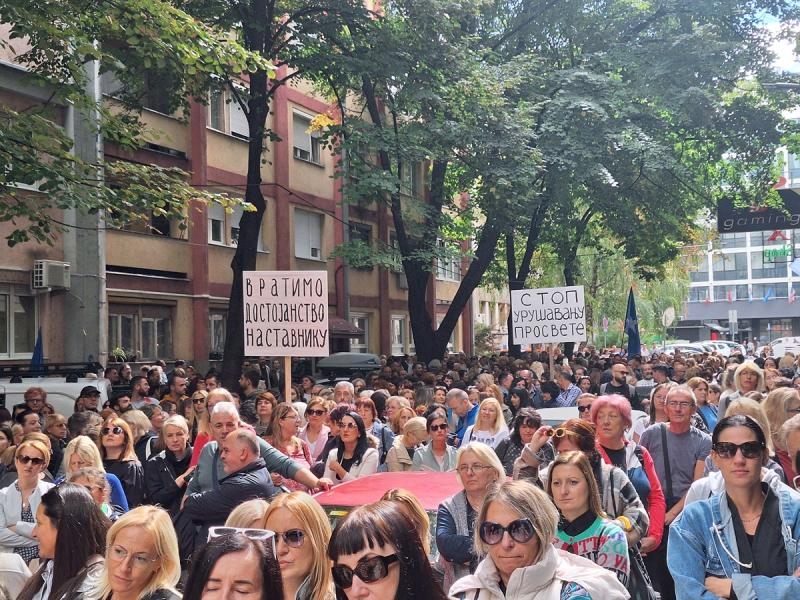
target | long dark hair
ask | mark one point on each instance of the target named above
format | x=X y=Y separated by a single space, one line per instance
x=361 y=445
x=81 y=533
x=524 y=399
x=204 y=561
x=381 y=524
x=524 y=416
x=739 y=421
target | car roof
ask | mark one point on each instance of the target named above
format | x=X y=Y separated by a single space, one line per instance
x=430 y=488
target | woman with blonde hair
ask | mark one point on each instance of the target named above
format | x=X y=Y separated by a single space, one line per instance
x=82 y=452
x=316 y=432
x=584 y=528
x=490 y=427
x=748 y=377
x=401 y=455
x=20 y=500
x=94 y=480
x=142 y=561
x=302 y=532
x=248 y=515
x=144 y=440
x=410 y=506
x=193 y=411
x=780 y=405
x=168 y=472
x=403 y=414
x=119 y=458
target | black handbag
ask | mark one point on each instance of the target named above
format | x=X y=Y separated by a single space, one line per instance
x=640 y=587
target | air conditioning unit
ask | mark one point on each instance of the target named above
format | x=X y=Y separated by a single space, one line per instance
x=52 y=274
x=402 y=282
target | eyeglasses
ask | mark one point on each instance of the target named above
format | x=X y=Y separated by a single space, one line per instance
x=585 y=408
x=30 y=459
x=347 y=425
x=293 y=417
x=473 y=468
x=369 y=570
x=521 y=531
x=120 y=554
x=439 y=427
x=253 y=534
x=560 y=432
x=729 y=449
x=315 y=412
x=293 y=538
x=115 y=430
x=682 y=405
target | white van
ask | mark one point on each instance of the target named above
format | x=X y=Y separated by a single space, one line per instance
x=60 y=394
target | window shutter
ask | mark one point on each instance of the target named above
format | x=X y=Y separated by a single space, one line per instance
x=302 y=139
x=315 y=235
x=239 y=126
x=302 y=242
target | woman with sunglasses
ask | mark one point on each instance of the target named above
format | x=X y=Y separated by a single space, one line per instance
x=516 y=526
x=168 y=472
x=742 y=542
x=71 y=532
x=525 y=424
x=235 y=564
x=302 y=532
x=478 y=469
x=584 y=528
x=193 y=410
x=377 y=553
x=119 y=458
x=142 y=561
x=354 y=454
x=19 y=502
x=316 y=432
x=284 y=427
x=437 y=454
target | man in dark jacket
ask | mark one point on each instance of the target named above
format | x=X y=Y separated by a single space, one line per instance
x=246 y=477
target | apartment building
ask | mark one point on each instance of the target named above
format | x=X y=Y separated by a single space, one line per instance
x=162 y=292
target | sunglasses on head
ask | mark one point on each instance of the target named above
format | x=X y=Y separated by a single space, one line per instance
x=560 y=432
x=521 y=531
x=30 y=459
x=314 y=412
x=729 y=449
x=368 y=570
x=253 y=534
x=116 y=430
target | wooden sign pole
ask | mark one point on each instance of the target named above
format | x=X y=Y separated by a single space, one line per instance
x=287 y=379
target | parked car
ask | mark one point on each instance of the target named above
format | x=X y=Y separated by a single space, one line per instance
x=60 y=393
x=342 y=366
x=781 y=346
x=430 y=488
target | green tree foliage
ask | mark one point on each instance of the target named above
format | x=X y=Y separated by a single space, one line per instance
x=130 y=40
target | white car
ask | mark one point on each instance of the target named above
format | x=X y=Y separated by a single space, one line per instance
x=781 y=346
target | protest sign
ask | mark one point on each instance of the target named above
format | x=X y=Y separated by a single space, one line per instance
x=286 y=313
x=548 y=315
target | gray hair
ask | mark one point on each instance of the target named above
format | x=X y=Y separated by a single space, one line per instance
x=457 y=394
x=485 y=454
x=529 y=502
x=228 y=408
x=340 y=385
x=681 y=389
x=788 y=428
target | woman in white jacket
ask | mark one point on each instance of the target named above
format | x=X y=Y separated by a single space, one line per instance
x=353 y=456
x=514 y=531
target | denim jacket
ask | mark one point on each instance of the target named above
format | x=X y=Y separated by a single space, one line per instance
x=702 y=543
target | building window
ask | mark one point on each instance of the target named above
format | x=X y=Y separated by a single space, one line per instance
x=698 y=294
x=730 y=266
x=216 y=331
x=216 y=110
x=143 y=330
x=240 y=128
x=779 y=328
x=216 y=223
x=409 y=179
x=17 y=323
x=782 y=237
x=222 y=104
x=361 y=343
x=701 y=274
x=398 y=335
x=448 y=265
x=361 y=232
x=772 y=267
x=730 y=293
x=306 y=144
x=732 y=240
x=308 y=234
x=158 y=88
x=772 y=290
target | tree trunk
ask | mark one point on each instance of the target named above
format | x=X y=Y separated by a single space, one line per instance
x=514 y=350
x=249 y=229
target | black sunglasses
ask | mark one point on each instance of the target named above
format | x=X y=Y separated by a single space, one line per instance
x=30 y=459
x=729 y=449
x=315 y=412
x=521 y=531
x=198 y=400
x=439 y=427
x=369 y=570
x=116 y=430
x=293 y=537
x=586 y=408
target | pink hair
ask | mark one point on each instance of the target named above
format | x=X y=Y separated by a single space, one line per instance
x=618 y=403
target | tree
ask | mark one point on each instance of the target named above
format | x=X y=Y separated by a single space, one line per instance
x=127 y=39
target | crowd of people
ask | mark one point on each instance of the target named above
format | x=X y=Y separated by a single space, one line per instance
x=677 y=477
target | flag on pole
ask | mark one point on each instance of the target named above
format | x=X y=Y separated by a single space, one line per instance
x=632 y=327
x=768 y=294
x=792 y=296
x=37 y=360
x=730 y=295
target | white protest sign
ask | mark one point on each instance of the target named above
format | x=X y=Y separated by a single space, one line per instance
x=548 y=315
x=286 y=313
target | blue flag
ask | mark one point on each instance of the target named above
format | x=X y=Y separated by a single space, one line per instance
x=37 y=360
x=632 y=327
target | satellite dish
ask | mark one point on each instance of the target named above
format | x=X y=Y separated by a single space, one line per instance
x=668 y=317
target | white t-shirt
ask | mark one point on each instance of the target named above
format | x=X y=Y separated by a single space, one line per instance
x=486 y=437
